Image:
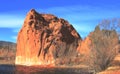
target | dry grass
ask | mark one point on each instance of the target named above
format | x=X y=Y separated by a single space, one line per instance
x=10 y=62
x=110 y=72
x=114 y=69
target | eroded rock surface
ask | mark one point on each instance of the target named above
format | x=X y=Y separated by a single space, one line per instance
x=45 y=38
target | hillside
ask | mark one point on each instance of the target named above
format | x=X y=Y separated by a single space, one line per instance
x=7 y=52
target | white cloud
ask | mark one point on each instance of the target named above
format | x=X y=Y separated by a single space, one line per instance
x=16 y=30
x=14 y=37
x=10 y=21
x=82 y=28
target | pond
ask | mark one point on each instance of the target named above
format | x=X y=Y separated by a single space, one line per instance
x=10 y=69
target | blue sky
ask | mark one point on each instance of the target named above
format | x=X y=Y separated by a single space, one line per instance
x=84 y=15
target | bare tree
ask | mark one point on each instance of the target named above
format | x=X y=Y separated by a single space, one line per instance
x=110 y=24
x=103 y=48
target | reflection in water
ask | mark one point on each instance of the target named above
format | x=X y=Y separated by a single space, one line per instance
x=8 y=69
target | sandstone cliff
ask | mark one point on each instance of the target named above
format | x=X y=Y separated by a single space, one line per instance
x=44 y=39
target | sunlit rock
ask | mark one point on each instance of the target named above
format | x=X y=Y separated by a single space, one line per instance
x=44 y=38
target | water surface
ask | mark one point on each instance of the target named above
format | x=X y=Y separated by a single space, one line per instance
x=10 y=69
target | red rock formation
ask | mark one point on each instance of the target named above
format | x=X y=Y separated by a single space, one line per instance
x=84 y=46
x=45 y=38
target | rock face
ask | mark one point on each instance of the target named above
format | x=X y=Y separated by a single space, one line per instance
x=44 y=38
x=84 y=46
